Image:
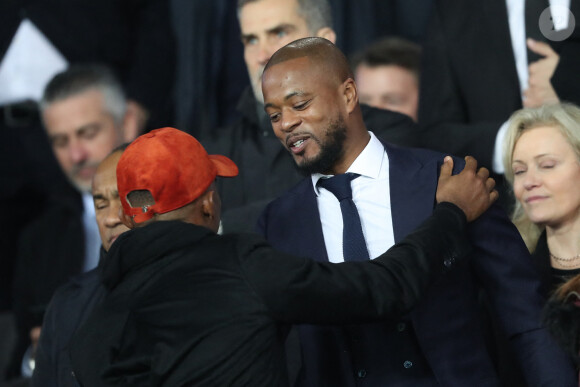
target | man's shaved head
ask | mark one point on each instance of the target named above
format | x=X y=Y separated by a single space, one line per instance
x=321 y=52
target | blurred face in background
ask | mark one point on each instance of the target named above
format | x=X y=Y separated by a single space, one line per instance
x=82 y=134
x=388 y=87
x=547 y=177
x=268 y=25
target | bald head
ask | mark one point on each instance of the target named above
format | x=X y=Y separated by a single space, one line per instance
x=322 y=54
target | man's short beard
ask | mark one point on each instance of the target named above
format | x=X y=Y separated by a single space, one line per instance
x=331 y=150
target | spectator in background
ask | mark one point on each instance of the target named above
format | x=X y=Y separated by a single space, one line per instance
x=387 y=75
x=85 y=114
x=73 y=302
x=40 y=38
x=266 y=169
x=542 y=163
x=478 y=67
x=542 y=167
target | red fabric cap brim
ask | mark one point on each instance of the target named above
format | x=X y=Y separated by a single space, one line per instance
x=225 y=166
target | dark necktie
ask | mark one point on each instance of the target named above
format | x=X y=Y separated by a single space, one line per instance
x=533 y=10
x=354 y=247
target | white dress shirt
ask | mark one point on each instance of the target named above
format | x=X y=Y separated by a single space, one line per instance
x=92 y=236
x=371 y=195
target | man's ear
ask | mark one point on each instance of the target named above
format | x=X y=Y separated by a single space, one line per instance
x=134 y=121
x=327 y=33
x=210 y=207
x=350 y=94
x=209 y=204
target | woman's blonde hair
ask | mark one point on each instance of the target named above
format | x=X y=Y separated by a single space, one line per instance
x=563 y=116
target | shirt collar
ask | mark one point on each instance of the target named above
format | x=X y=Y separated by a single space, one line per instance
x=88 y=204
x=368 y=163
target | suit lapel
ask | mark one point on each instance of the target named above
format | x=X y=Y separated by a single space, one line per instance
x=413 y=186
x=307 y=236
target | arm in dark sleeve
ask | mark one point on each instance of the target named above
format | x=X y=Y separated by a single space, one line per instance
x=300 y=290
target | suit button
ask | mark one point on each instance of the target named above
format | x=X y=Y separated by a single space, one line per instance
x=448 y=262
x=361 y=373
x=401 y=326
x=408 y=364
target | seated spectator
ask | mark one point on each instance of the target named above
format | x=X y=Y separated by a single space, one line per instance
x=73 y=302
x=542 y=163
x=542 y=168
x=387 y=75
x=85 y=115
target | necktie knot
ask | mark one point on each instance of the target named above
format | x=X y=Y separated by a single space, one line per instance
x=339 y=185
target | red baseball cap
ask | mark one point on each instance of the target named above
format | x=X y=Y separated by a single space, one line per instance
x=173 y=166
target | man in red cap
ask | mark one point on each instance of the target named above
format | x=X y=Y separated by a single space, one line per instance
x=186 y=306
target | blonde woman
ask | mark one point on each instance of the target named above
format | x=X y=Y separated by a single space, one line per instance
x=542 y=163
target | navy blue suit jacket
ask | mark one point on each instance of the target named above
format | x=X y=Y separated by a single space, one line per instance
x=70 y=306
x=448 y=336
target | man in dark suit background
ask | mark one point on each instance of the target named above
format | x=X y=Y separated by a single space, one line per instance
x=85 y=114
x=312 y=102
x=478 y=68
x=39 y=38
x=73 y=302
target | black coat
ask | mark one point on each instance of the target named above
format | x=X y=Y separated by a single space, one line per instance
x=189 y=307
x=51 y=251
x=71 y=304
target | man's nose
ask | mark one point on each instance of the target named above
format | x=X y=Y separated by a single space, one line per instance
x=114 y=213
x=289 y=121
x=264 y=52
x=77 y=151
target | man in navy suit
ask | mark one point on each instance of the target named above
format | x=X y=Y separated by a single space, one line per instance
x=312 y=102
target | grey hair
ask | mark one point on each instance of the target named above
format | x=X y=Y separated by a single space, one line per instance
x=316 y=13
x=563 y=116
x=78 y=79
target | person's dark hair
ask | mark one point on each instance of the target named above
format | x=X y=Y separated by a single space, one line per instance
x=317 y=13
x=561 y=317
x=390 y=51
x=78 y=79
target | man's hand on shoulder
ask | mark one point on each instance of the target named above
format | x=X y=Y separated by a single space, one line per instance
x=472 y=190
